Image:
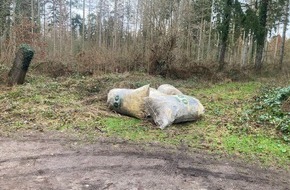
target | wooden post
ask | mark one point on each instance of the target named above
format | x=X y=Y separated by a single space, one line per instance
x=20 y=66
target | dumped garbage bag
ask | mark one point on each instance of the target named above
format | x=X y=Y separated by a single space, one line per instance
x=169 y=109
x=169 y=89
x=163 y=108
x=128 y=101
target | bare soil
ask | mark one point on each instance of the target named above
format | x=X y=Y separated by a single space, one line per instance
x=55 y=161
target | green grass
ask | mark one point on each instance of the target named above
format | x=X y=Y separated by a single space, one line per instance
x=77 y=105
x=258 y=147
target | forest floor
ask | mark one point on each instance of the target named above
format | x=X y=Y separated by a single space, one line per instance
x=57 y=133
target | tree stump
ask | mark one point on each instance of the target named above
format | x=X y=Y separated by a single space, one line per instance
x=21 y=64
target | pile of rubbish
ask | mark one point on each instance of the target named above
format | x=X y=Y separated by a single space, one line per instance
x=166 y=105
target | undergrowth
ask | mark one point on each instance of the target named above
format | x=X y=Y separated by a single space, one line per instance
x=266 y=111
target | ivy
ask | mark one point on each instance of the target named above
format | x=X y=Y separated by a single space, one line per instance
x=266 y=110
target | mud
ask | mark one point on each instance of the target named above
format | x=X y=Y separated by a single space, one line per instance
x=54 y=161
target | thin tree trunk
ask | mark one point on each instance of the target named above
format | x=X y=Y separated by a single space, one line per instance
x=209 y=54
x=244 y=50
x=122 y=37
x=54 y=29
x=265 y=53
x=84 y=19
x=238 y=53
x=137 y=18
x=38 y=16
x=61 y=23
x=203 y=40
x=12 y=40
x=200 y=41
x=89 y=22
x=100 y=23
x=284 y=36
x=32 y=18
x=233 y=46
x=277 y=42
x=44 y=21
x=217 y=46
x=189 y=31
x=115 y=38
x=251 y=49
x=222 y=55
x=71 y=27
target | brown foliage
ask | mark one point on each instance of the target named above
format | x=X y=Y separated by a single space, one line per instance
x=24 y=32
x=51 y=69
x=162 y=56
x=199 y=71
x=96 y=61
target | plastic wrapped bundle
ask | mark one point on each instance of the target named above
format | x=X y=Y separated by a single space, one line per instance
x=169 y=109
x=128 y=101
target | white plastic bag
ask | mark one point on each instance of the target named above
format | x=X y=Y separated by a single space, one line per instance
x=169 y=109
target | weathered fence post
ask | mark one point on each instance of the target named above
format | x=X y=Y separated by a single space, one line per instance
x=20 y=66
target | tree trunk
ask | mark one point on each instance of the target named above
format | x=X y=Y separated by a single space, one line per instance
x=222 y=55
x=259 y=56
x=261 y=35
x=209 y=54
x=54 y=28
x=20 y=66
x=244 y=50
x=115 y=32
x=32 y=18
x=84 y=22
x=225 y=33
x=284 y=36
x=200 y=41
x=44 y=21
x=38 y=17
x=100 y=23
x=89 y=22
x=277 y=42
x=71 y=27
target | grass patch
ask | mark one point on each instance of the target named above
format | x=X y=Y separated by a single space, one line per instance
x=258 y=147
x=127 y=128
x=134 y=130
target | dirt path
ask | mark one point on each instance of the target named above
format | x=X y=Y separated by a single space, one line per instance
x=46 y=161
